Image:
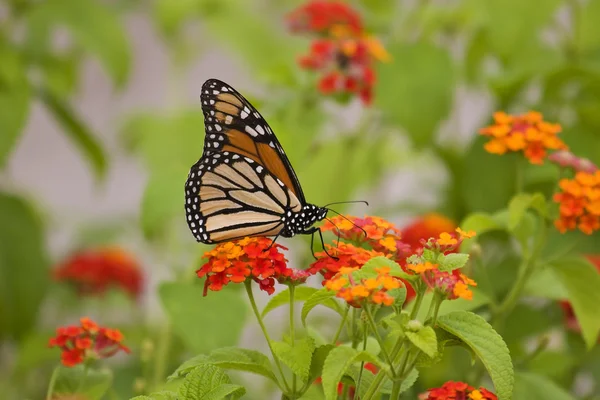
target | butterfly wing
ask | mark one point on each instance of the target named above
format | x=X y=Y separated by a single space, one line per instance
x=230 y=196
x=234 y=125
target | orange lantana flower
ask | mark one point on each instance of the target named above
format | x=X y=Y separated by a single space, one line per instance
x=86 y=341
x=527 y=133
x=458 y=390
x=346 y=255
x=579 y=203
x=249 y=258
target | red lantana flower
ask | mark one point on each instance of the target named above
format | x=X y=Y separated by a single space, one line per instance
x=579 y=203
x=86 y=341
x=346 y=255
x=258 y=259
x=94 y=271
x=343 y=53
x=458 y=391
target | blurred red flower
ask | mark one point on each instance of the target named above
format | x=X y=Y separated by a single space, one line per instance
x=570 y=318
x=256 y=258
x=94 y=271
x=86 y=341
x=457 y=390
x=343 y=53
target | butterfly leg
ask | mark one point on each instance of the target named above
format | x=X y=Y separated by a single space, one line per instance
x=272 y=243
x=312 y=238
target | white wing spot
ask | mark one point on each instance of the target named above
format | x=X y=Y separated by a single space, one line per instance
x=243 y=114
x=259 y=169
x=224 y=89
x=272 y=144
x=216 y=144
x=251 y=131
x=260 y=129
x=216 y=92
x=212 y=136
x=218 y=128
x=280 y=183
x=212 y=101
x=249 y=160
x=228 y=119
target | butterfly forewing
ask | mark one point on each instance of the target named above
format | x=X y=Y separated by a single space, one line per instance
x=234 y=125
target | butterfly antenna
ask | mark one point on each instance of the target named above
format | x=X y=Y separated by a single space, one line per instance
x=349 y=220
x=338 y=232
x=346 y=202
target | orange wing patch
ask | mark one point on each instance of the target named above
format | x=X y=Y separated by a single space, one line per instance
x=274 y=164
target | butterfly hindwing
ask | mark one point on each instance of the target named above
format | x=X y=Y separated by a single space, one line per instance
x=230 y=196
x=233 y=125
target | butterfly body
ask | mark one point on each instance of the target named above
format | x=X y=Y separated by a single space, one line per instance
x=243 y=185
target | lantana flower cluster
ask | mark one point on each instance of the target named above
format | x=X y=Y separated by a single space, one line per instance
x=357 y=291
x=87 y=341
x=94 y=271
x=451 y=284
x=458 y=390
x=342 y=51
x=258 y=259
x=527 y=133
x=579 y=203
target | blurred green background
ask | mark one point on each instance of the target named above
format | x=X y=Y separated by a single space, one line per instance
x=100 y=121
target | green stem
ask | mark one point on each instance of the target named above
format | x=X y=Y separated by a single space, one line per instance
x=51 y=384
x=248 y=285
x=525 y=271
x=342 y=323
x=417 y=305
x=379 y=339
x=293 y=335
x=362 y=363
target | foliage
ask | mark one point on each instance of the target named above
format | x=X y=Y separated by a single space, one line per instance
x=433 y=76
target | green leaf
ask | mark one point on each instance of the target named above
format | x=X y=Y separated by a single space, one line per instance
x=450 y=262
x=425 y=340
x=23 y=266
x=234 y=358
x=322 y=297
x=77 y=132
x=163 y=395
x=480 y=223
x=190 y=313
x=297 y=357
x=369 y=270
x=337 y=363
x=530 y=386
x=301 y=293
x=581 y=280
x=317 y=361
x=208 y=382
x=546 y=285
x=94 y=26
x=406 y=91
x=15 y=97
x=68 y=381
x=520 y=203
x=476 y=333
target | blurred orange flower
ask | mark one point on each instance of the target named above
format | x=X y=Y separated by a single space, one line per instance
x=343 y=53
x=94 y=271
x=528 y=133
x=579 y=203
x=256 y=258
x=425 y=227
x=88 y=341
x=458 y=390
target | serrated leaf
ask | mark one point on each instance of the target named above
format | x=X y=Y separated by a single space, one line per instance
x=489 y=346
x=317 y=361
x=163 y=395
x=301 y=293
x=322 y=297
x=229 y=358
x=372 y=345
x=208 y=382
x=425 y=340
x=337 y=363
x=67 y=381
x=298 y=357
x=581 y=281
x=450 y=262
x=399 y=295
x=529 y=386
x=78 y=132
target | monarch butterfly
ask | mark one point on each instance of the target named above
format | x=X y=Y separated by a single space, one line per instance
x=243 y=185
